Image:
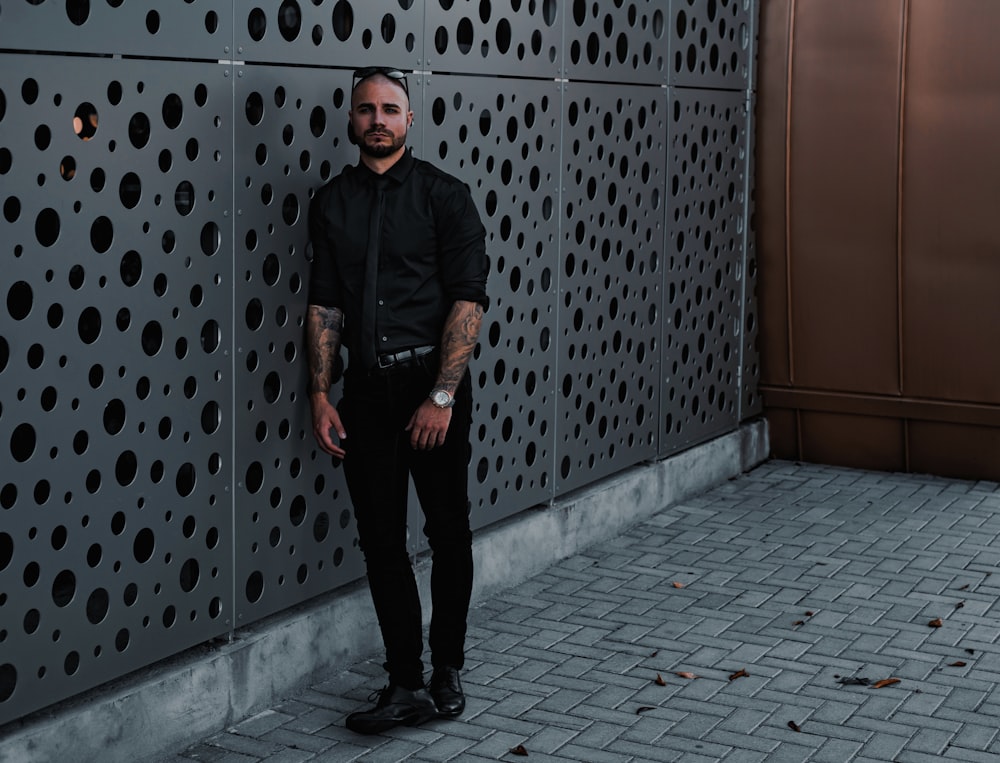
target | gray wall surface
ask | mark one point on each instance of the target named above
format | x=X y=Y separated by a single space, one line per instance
x=159 y=486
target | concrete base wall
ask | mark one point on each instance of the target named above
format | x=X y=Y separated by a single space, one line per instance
x=203 y=691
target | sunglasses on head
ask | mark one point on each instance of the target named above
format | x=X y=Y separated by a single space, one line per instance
x=360 y=75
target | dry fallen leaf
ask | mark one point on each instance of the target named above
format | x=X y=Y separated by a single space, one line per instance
x=686 y=675
x=964 y=587
x=936 y=623
x=678 y=585
x=741 y=673
x=660 y=681
x=655 y=653
x=957 y=664
x=960 y=605
x=794 y=726
x=799 y=622
x=519 y=750
x=644 y=709
x=885 y=682
x=853 y=681
x=810 y=614
x=971 y=651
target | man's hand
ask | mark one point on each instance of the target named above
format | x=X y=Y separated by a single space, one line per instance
x=428 y=426
x=326 y=420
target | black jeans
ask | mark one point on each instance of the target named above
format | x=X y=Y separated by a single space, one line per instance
x=374 y=410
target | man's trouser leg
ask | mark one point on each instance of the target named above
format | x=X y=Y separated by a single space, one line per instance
x=376 y=471
x=441 y=478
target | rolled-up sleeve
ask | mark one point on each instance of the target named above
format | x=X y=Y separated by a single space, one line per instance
x=324 y=288
x=462 y=246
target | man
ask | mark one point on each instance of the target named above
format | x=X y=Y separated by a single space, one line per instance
x=399 y=278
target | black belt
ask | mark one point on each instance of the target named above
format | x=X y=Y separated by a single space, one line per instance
x=403 y=357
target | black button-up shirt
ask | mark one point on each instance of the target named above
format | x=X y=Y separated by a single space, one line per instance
x=432 y=252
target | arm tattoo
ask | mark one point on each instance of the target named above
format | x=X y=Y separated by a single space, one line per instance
x=461 y=332
x=323 y=330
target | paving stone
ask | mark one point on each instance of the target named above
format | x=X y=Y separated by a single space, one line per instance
x=885 y=746
x=600 y=734
x=969 y=756
x=342 y=753
x=207 y=753
x=975 y=737
x=966 y=700
x=468 y=726
x=391 y=752
x=594 y=755
x=931 y=740
x=550 y=740
x=262 y=722
x=515 y=705
x=313 y=720
x=296 y=740
x=245 y=745
x=928 y=722
x=547 y=718
x=289 y=755
x=790 y=754
x=836 y=751
x=497 y=745
x=745 y=742
x=913 y=756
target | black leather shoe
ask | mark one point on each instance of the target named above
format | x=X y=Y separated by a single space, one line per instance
x=447 y=692
x=396 y=706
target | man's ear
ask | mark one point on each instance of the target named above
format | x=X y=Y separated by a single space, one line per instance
x=351 y=136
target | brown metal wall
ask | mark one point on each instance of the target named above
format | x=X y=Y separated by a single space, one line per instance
x=878 y=218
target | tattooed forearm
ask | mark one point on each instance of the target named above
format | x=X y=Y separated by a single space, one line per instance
x=461 y=332
x=323 y=330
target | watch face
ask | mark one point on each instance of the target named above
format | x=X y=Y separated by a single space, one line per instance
x=441 y=398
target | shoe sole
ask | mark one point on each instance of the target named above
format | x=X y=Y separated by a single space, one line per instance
x=377 y=727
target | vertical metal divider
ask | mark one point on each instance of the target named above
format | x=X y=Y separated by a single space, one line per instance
x=563 y=83
x=661 y=439
x=748 y=187
x=231 y=488
x=661 y=436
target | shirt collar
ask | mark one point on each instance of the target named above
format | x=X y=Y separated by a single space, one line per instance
x=397 y=172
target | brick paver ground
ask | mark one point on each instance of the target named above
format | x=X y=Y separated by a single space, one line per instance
x=817 y=582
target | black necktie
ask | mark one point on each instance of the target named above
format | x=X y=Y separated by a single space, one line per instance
x=369 y=341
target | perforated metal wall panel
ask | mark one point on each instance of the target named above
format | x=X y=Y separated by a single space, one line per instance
x=705 y=262
x=294 y=530
x=175 y=29
x=324 y=33
x=495 y=37
x=159 y=482
x=503 y=136
x=751 y=402
x=617 y=41
x=115 y=377
x=712 y=43
x=609 y=324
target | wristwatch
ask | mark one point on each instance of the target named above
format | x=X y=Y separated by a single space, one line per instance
x=442 y=399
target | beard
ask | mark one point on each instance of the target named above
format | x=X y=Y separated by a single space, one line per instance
x=382 y=150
